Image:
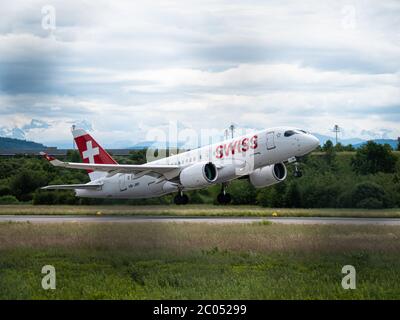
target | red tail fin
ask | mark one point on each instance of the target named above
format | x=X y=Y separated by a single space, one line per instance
x=91 y=151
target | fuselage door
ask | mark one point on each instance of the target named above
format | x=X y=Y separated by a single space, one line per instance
x=270 y=140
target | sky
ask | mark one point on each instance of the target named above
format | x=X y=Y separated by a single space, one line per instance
x=121 y=69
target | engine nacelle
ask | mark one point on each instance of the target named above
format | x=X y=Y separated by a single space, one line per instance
x=199 y=175
x=268 y=175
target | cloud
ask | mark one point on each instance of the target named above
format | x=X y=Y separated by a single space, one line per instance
x=129 y=67
x=36 y=124
x=82 y=124
x=15 y=133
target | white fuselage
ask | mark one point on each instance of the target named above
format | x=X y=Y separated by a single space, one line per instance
x=233 y=158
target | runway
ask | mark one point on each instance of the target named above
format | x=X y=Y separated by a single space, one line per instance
x=211 y=220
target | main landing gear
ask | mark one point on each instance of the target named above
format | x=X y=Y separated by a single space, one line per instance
x=181 y=198
x=224 y=197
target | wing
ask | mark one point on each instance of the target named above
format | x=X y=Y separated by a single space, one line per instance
x=168 y=171
x=73 y=186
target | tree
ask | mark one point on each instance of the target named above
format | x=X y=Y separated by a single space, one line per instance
x=277 y=195
x=73 y=156
x=263 y=197
x=8 y=199
x=7 y=168
x=25 y=182
x=370 y=203
x=273 y=196
x=293 y=196
x=330 y=153
x=242 y=192
x=372 y=158
x=368 y=195
x=339 y=147
x=45 y=197
x=328 y=145
x=4 y=190
x=349 y=147
x=320 y=194
x=138 y=156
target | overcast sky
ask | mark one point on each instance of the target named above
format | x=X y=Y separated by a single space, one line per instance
x=120 y=68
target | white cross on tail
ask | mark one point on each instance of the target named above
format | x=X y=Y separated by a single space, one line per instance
x=90 y=152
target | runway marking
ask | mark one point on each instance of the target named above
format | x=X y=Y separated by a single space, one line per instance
x=196 y=219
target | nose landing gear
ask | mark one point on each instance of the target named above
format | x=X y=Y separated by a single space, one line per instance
x=297 y=172
x=224 y=197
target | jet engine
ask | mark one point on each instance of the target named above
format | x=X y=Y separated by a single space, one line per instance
x=268 y=175
x=198 y=175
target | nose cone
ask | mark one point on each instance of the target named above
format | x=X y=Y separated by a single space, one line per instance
x=312 y=142
x=308 y=144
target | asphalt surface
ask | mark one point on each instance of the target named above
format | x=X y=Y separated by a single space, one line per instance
x=213 y=220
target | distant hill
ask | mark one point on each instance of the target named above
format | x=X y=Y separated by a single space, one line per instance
x=353 y=141
x=391 y=142
x=155 y=145
x=142 y=145
x=17 y=144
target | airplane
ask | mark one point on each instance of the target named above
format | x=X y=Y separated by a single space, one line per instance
x=259 y=157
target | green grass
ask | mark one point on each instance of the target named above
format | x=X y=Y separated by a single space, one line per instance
x=198 y=261
x=193 y=210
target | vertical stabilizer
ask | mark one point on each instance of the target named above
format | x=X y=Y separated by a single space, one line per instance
x=91 y=152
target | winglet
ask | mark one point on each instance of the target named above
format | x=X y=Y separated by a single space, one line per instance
x=46 y=156
x=51 y=159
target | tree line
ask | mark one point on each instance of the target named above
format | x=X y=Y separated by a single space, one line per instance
x=366 y=178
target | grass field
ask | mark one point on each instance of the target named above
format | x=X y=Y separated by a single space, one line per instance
x=176 y=261
x=195 y=210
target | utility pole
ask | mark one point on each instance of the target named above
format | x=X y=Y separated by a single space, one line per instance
x=232 y=128
x=336 y=130
x=226 y=134
x=73 y=140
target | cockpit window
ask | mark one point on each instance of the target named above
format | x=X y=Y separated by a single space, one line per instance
x=303 y=131
x=289 y=133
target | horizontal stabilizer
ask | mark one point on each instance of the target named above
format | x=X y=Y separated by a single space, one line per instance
x=73 y=186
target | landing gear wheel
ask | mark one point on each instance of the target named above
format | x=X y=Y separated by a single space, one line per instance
x=181 y=199
x=177 y=199
x=227 y=198
x=224 y=198
x=297 y=172
x=185 y=199
x=220 y=198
